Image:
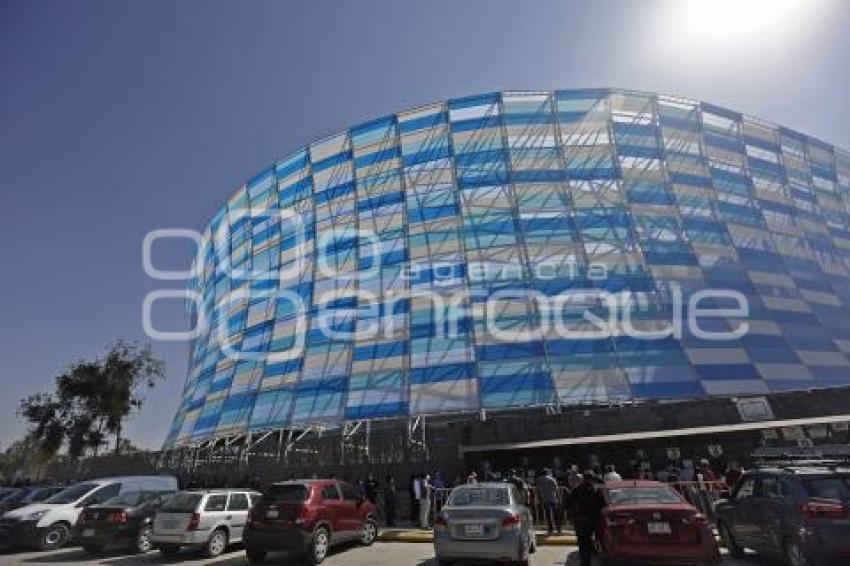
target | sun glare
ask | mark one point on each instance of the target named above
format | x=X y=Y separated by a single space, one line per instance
x=704 y=33
x=732 y=20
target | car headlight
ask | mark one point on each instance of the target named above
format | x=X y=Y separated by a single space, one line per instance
x=35 y=515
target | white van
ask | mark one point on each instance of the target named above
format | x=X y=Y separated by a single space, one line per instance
x=47 y=525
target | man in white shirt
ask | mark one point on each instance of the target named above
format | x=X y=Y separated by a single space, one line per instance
x=611 y=474
x=422 y=492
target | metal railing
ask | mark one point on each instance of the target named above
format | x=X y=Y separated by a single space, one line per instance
x=702 y=495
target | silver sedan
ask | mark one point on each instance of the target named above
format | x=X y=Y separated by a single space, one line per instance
x=485 y=521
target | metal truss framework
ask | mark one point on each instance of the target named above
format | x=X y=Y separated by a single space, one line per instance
x=354 y=443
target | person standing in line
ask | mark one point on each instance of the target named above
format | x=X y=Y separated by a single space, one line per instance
x=611 y=473
x=424 y=501
x=705 y=474
x=733 y=475
x=370 y=489
x=389 y=501
x=439 y=482
x=515 y=478
x=547 y=492
x=584 y=507
x=686 y=474
x=574 y=478
x=413 y=489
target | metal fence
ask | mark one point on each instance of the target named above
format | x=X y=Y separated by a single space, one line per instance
x=702 y=495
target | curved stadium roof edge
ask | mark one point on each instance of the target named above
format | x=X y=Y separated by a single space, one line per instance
x=417 y=107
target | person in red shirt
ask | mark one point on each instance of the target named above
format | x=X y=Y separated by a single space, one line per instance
x=705 y=473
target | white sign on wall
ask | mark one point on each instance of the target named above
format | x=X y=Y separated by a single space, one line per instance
x=754 y=409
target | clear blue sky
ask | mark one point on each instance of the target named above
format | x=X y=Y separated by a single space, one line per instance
x=117 y=118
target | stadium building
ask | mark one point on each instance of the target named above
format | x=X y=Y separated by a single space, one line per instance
x=522 y=275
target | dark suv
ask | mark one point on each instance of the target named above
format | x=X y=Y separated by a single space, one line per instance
x=799 y=515
x=308 y=516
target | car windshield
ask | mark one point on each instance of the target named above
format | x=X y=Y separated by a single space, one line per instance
x=474 y=496
x=17 y=495
x=181 y=503
x=837 y=487
x=639 y=495
x=71 y=494
x=41 y=494
x=288 y=492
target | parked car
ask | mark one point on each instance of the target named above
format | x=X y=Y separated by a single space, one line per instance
x=799 y=515
x=125 y=521
x=308 y=517
x=486 y=521
x=26 y=496
x=650 y=522
x=9 y=498
x=47 y=525
x=208 y=520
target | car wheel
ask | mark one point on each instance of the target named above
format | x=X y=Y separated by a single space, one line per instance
x=53 y=537
x=319 y=546
x=794 y=554
x=92 y=548
x=255 y=555
x=368 y=533
x=169 y=549
x=216 y=544
x=729 y=541
x=143 y=540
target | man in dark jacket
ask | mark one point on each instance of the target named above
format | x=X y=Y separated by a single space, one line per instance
x=370 y=489
x=547 y=495
x=389 y=501
x=584 y=507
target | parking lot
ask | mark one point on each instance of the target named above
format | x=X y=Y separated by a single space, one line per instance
x=412 y=554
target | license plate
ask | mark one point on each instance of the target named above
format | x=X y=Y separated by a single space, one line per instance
x=661 y=528
x=474 y=530
x=88 y=533
x=167 y=525
x=272 y=514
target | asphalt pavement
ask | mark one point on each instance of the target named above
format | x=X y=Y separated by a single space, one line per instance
x=380 y=554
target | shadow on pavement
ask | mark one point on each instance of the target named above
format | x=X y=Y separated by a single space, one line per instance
x=68 y=556
x=188 y=556
x=282 y=557
x=535 y=561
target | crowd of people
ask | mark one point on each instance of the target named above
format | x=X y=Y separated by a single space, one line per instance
x=570 y=495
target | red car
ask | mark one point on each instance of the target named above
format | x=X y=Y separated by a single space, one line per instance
x=650 y=522
x=308 y=517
